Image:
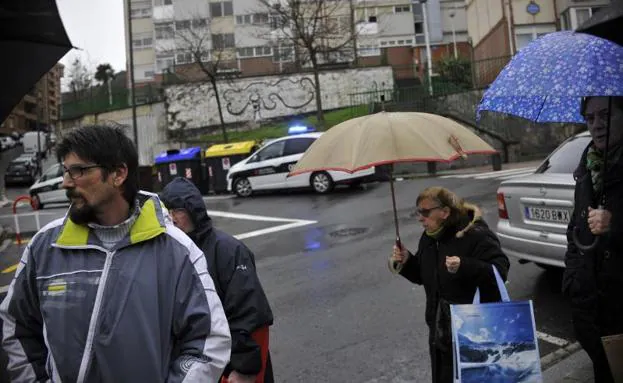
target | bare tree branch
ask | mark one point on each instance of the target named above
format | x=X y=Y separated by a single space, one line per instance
x=319 y=31
x=204 y=56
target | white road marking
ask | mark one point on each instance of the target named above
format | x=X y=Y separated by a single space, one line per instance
x=4 y=289
x=552 y=339
x=218 y=197
x=274 y=229
x=289 y=223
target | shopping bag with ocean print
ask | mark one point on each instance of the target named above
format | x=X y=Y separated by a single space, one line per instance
x=495 y=342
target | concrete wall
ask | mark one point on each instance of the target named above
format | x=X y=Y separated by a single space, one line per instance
x=151 y=127
x=191 y=106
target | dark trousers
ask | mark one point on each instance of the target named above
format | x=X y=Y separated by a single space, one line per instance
x=589 y=335
x=442 y=365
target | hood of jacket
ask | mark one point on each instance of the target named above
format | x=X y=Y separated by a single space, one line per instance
x=180 y=193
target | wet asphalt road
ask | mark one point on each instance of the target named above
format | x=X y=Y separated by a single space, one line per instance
x=340 y=315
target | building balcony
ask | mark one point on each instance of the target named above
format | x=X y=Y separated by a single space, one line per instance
x=163 y=13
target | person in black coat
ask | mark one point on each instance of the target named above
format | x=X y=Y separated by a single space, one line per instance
x=232 y=267
x=593 y=278
x=454 y=257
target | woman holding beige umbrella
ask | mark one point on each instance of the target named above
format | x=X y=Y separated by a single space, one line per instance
x=453 y=259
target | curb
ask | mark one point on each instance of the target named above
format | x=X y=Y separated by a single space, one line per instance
x=557 y=356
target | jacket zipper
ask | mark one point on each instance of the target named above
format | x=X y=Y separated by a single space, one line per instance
x=88 y=347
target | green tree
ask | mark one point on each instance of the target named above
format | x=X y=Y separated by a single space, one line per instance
x=104 y=73
x=456 y=71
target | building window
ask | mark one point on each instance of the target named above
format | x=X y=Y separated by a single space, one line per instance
x=181 y=25
x=263 y=51
x=254 y=52
x=283 y=54
x=257 y=18
x=140 y=10
x=368 y=50
x=419 y=28
x=164 y=62
x=168 y=2
x=184 y=58
x=223 y=41
x=225 y=8
x=164 y=31
x=402 y=8
x=199 y=23
x=145 y=42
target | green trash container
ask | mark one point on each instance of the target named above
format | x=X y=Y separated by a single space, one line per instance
x=219 y=159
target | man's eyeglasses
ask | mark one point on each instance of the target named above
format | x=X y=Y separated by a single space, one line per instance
x=426 y=212
x=77 y=171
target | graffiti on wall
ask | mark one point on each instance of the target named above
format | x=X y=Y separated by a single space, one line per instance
x=266 y=95
x=245 y=100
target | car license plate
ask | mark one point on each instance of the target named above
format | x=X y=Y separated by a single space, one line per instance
x=548 y=214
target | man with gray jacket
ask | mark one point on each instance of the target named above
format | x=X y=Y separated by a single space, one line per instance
x=113 y=292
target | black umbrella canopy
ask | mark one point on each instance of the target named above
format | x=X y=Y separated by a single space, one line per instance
x=606 y=23
x=32 y=41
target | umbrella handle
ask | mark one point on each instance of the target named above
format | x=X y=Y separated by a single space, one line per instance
x=576 y=236
x=576 y=241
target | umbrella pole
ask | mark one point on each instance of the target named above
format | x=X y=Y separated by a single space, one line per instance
x=391 y=185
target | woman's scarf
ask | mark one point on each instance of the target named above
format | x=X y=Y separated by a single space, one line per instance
x=595 y=164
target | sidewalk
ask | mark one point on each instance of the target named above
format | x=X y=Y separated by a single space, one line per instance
x=575 y=368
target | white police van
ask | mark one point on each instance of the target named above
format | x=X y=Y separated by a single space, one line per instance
x=268 y=168
x=49 y=187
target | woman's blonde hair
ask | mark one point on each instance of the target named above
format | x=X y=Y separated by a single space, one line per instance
x=445 y=198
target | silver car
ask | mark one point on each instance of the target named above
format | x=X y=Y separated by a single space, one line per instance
x=534 y=210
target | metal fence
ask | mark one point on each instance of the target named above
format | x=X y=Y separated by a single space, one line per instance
x=97 y=100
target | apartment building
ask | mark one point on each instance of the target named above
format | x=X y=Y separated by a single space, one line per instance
x=40 y=107
x=500 y=28
x=246 y=37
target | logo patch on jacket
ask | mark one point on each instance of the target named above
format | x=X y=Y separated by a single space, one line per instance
x=186 y=362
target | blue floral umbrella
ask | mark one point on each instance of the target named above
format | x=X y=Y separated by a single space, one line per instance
x=546 y=81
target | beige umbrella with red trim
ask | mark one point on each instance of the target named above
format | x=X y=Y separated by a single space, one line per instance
x=388 y=138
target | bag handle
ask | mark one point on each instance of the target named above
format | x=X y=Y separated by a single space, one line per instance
x=501 y=288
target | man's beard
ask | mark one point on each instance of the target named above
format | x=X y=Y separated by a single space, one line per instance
x=83 y=214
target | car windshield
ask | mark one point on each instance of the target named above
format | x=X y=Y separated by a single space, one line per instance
x=566 y=157
x=16 y=167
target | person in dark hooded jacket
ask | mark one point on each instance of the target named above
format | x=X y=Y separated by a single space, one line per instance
x=593 y=278
x=455 y=256
x=232 y=267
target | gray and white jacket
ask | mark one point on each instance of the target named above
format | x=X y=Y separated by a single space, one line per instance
x=144 y=311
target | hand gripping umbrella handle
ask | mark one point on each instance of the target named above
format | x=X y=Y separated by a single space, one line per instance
x=576 y=239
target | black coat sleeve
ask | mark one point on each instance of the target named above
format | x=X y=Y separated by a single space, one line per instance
x=411 y=270
x=245 y=304
x=486 y=251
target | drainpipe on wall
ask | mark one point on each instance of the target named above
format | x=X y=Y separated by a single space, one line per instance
x=508 y=15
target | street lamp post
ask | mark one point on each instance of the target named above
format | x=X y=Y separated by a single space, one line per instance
x=456 y=55
x=429 y=59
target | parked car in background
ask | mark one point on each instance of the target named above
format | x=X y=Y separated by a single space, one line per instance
x=7 y=142
x=21 y=171
x=268 y=167
x=49 y=187
x=534 y=210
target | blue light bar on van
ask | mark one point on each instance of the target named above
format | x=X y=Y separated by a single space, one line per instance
x=300 y=129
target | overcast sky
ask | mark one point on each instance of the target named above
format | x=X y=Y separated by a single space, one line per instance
x=97 y=28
